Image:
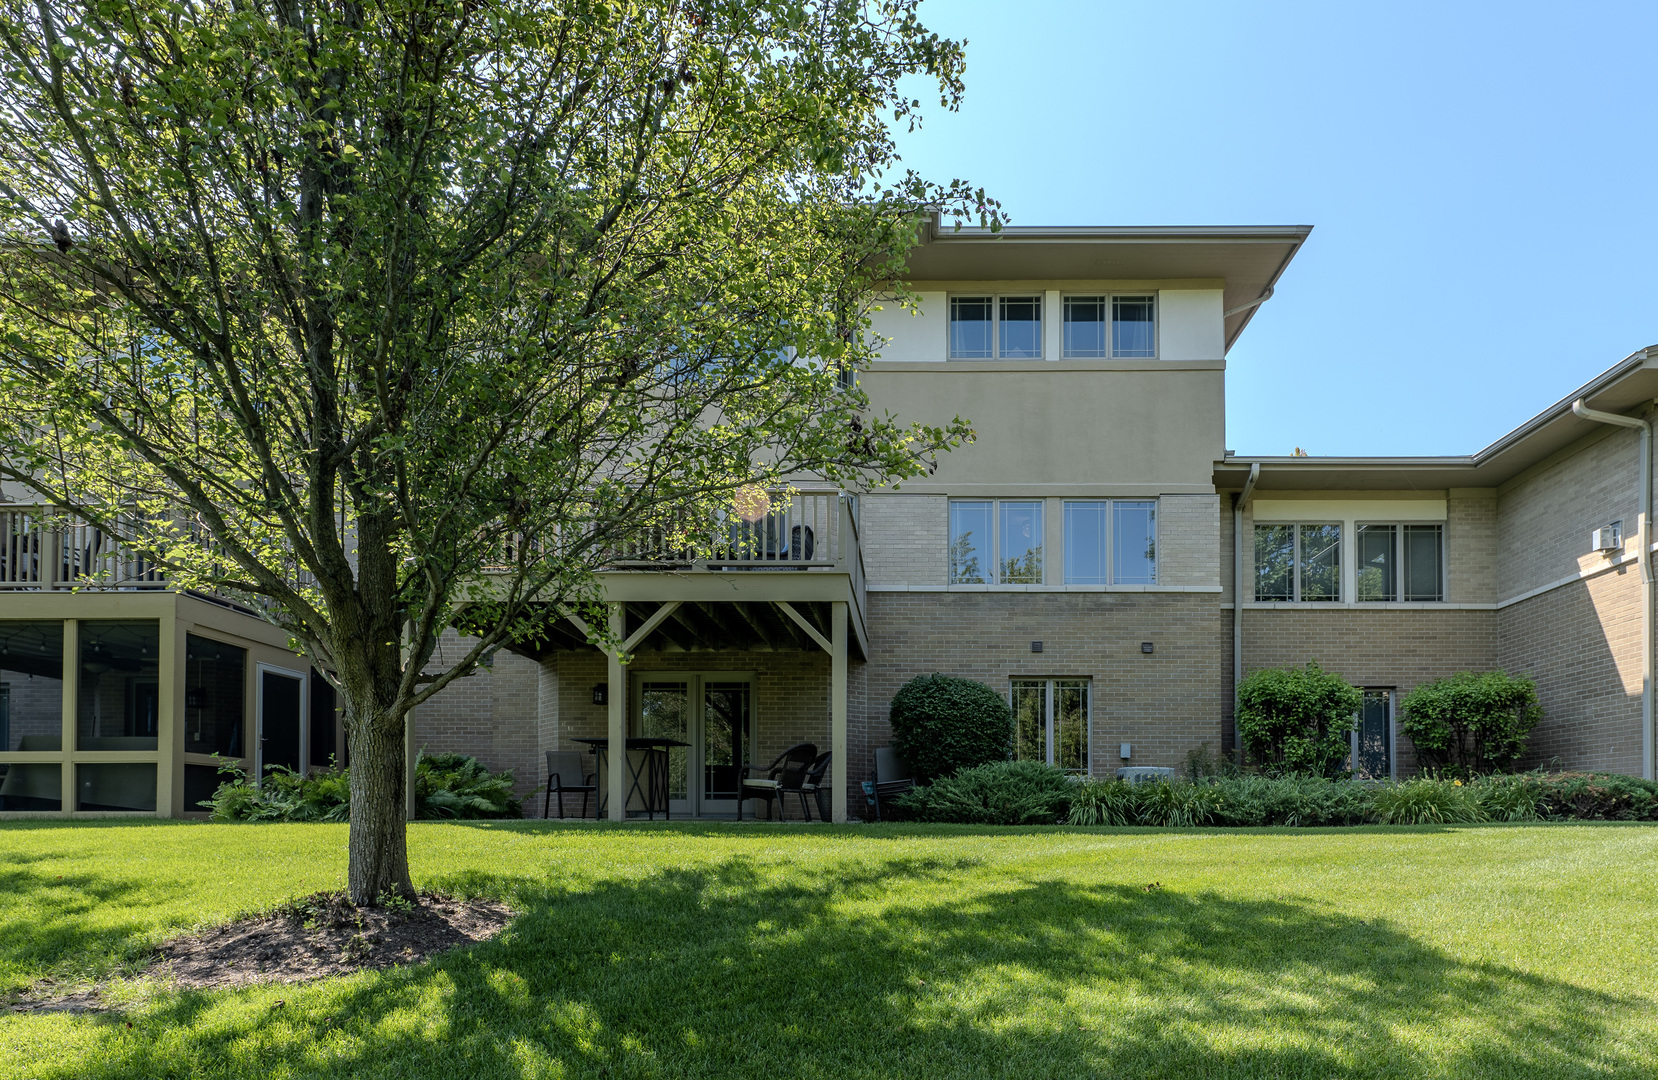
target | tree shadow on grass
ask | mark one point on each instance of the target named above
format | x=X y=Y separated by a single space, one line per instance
x=910 y=968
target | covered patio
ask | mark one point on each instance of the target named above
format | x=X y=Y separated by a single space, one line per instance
x=733 y=658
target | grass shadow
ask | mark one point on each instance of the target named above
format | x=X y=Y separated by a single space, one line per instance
x=892 y=968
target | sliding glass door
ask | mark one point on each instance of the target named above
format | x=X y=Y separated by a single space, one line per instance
x=714 y=713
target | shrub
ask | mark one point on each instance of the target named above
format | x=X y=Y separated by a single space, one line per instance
x=1508 y=798
x=941 y=725
x=1102 y=802
x=1001 y=793
x=1469 y=724
x=446 y=786
x=1292 y=800
x=1178 y=805
x=1297 y=719
x=1596 y=797
x=284 y=796
x=458 y=786
x=1426 y=801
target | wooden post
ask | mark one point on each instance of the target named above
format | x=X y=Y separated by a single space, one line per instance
x=837 y=710
x=617 y=754
x=71 y=706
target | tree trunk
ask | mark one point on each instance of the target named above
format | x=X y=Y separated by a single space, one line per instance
x=379 y=853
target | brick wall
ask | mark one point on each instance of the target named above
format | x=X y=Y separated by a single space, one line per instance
x=1165 y=703
x=1383 y=648
x=492 y=716
x=1582 y=643
x=905 y=538
x=1546 y=517
x=1188 y=530
x=1471 y=546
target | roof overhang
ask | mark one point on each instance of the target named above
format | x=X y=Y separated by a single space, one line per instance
x=1628 y=387
x=1249 y=258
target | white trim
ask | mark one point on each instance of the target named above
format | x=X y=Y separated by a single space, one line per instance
x=260 y=668
x=1361 y=605
x=1054 y=589
x=1582 y=575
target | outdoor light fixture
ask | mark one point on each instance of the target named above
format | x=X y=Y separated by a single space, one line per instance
x=1145 y=646
x=601 y=694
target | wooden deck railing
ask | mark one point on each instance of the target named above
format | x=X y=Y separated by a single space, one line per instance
x=42 y=548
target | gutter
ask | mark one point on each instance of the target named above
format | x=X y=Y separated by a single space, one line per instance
x=1237 y=593
x=1581 y=408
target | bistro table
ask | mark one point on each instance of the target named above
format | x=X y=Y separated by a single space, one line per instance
x=648 y=772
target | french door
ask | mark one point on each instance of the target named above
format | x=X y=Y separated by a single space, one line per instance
x=714 y=713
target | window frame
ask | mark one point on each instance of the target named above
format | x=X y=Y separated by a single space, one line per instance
x=1109 y=298
x=995 y=544
x=996 y=300
x=1109 y=542
x=1296 y=560
x=1399 y=526
x=1049 y=685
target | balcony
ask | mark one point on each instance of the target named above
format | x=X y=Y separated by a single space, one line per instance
x=44 y=549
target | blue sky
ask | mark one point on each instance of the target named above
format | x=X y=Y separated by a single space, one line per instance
x=1482 y=178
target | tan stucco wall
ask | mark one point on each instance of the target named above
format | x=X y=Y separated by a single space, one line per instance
x=1063 y=430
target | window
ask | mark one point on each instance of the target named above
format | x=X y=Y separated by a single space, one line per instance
x=1111 y=542
x=1298 y=562
x=1085 y=327
x=1132 y=321
x=995 y=327
x=1400 y=562
x=995 y=542
x=1050 y=722
x=1110 y=326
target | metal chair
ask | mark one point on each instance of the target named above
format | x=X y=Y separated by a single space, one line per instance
x=785 y=773
x=892 y=777
x=813 y=783
x=561 y=764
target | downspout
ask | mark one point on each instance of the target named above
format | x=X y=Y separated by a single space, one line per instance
x=1647 y=643
x=1237 y=591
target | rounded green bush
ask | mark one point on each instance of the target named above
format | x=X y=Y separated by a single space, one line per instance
x=942 y=725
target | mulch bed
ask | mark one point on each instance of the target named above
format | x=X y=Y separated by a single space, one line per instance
x=310 y=938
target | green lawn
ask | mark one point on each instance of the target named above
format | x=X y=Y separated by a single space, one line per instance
x=760 y=951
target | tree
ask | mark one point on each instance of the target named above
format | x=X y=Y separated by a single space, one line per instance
x=402 y=316
x=1469 y=724
x=1297 y=719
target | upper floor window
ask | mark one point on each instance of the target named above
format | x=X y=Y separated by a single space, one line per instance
x=1400 y=562
x=995 y=327
x=1298 y=562
x=995 y=542
x=1110 y=326
x=1111 y=542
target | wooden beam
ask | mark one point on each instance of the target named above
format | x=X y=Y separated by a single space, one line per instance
x=837 y=713
x=811 y=631
x=639 y=635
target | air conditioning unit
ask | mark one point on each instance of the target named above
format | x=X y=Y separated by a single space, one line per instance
x=1609 y=538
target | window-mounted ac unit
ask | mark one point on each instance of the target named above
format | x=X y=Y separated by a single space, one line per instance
x=1606 y=539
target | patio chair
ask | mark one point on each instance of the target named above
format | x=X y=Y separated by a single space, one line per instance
x=565 y=776
x=785 y=773
x=815 y=783
x=893 y=777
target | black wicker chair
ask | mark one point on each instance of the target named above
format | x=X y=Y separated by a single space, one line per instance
x=786 y=773
x=816 y=783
